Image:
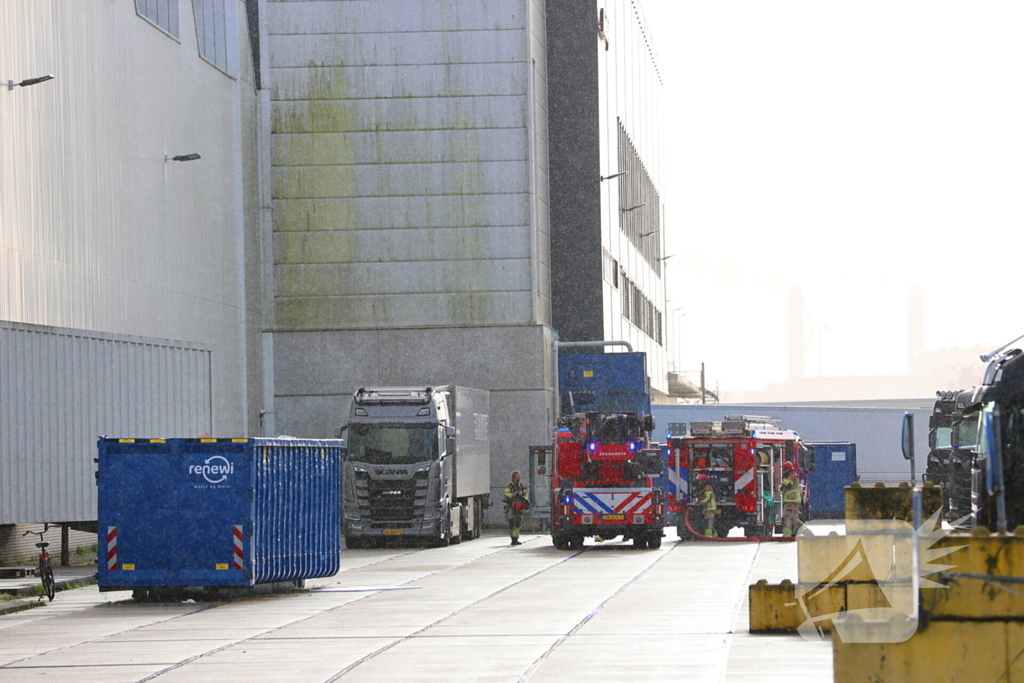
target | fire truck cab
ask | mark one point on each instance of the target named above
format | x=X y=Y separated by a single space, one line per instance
x=743 y=457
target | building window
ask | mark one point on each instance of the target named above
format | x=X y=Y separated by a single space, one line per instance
x=163 y=13
x=641 y=311
x=611 y=270
x=639 y=204
x=211 y=32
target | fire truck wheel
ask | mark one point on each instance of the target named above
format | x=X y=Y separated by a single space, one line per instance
x=576 y=543
x=640 y=541
x=683 y=532
x=654 y=540
x=560 y=541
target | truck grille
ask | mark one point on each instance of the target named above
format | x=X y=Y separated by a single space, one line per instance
x=392 y=500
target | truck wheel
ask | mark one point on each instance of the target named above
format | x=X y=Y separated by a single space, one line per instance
x=560 y=541
x=576 y=543
x=683 y=532
x=355 y=542
x=654 y=540
x=640 y=541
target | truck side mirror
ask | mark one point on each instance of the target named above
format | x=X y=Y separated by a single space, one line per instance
x=339 y=431
x=449 y=445
x=449 y=431
x=908 y=436
x=648 y=423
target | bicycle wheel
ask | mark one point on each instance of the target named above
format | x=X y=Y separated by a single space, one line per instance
x=46 y=576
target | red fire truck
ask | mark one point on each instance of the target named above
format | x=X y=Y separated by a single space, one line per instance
x=602 y=480
x=743 y=457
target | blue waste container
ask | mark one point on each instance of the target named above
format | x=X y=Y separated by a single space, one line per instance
x=217 y=512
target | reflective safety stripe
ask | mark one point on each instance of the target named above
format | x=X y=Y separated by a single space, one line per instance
x=745 y=480
x=239 y=546
x=111 y=548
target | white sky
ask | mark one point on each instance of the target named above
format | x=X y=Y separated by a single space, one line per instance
x=850 y=149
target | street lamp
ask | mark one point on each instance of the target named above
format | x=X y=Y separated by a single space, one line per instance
x=11 y=85
x=634 y=208
x=614 y=175
x=182 y=157
x=648 y=234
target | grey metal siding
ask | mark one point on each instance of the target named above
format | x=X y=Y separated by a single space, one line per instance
x=60 y=389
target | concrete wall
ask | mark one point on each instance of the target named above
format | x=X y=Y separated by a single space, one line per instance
x=876 y=431
x=410 y=226
x=316 y=373
x=97 y=231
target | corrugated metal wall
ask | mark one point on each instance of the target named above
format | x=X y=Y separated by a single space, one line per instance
x=60 y=389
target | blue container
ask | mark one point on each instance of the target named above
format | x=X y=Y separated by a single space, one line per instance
x=217 y=512
x=835 y=468
x=603 y=382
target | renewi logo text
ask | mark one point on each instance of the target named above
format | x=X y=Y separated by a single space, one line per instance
x=214 y=470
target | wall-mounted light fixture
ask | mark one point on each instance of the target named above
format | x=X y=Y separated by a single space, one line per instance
x=614 y=175
x=11 y=85
x=634 y=208
x=666 y=258
x=183 y=157
x=648 y=234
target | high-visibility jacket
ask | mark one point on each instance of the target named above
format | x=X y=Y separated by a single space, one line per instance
x=791 y=490
x=708 y=501
x=516 y=493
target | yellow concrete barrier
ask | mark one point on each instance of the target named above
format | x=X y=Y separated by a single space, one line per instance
x=773 y=607
x=972 y=598
x=947 y=651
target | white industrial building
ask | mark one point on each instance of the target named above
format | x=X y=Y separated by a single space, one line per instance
x=371 y=205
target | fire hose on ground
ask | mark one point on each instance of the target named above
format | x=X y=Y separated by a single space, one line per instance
x=744 y=539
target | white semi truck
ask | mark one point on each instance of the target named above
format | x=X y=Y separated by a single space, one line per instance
x=418 y=464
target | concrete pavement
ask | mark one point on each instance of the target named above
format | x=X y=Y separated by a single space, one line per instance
x=477 y=611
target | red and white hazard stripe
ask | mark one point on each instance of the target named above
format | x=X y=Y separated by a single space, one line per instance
x=111 y=548
x=744 y=479
x=239 y=546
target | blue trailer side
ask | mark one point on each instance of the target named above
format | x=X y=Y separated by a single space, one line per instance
x=604 y=383
x=217 y=512
x=835 y=468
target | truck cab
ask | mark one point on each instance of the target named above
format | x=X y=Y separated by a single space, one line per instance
x=401 y=473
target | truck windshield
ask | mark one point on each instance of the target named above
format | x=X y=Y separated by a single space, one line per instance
x=390 y=443
x=965 y=433
x=614 y=428
x=940 y=437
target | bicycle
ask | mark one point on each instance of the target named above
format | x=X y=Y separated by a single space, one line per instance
x=45 y=571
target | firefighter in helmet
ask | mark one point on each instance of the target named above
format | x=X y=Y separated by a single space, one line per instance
x=791 y=499
x=516 y=503
x=709 y=504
